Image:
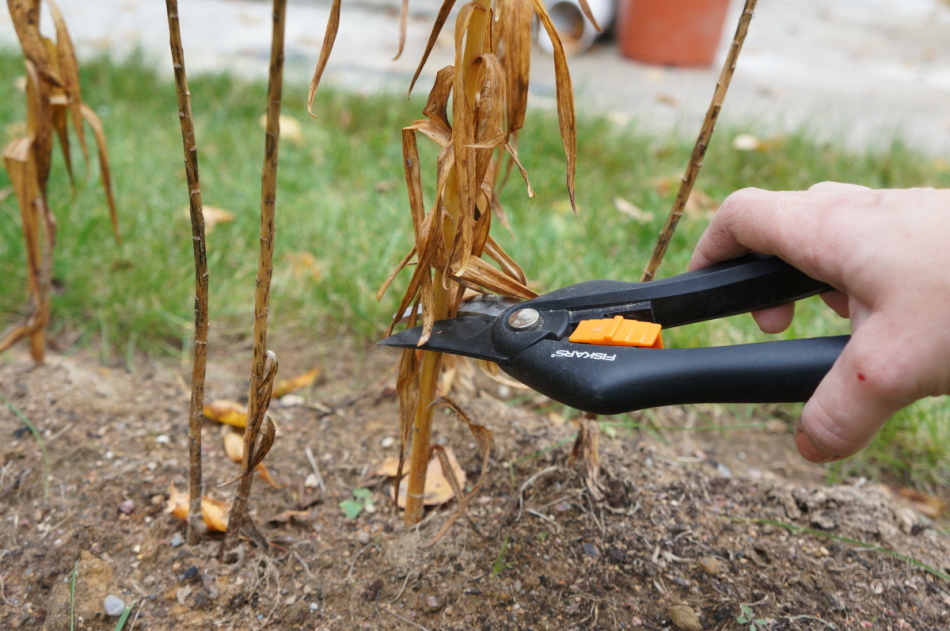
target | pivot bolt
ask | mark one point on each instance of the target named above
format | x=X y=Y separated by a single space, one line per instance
x=524 y=319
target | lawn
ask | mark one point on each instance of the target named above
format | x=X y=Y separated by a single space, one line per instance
x=343 y=223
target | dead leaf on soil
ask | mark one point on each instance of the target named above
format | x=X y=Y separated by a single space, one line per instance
x=286 y=386
x=234 y=448
x=290 y=128
x=698 y=204
x=923 y=503
x=227 y=411
x=437 y=489
x=305 y=265
x=212 y=215
x=633 y=211
x=214 y=512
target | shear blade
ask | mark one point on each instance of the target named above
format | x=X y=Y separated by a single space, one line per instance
x=469 y=336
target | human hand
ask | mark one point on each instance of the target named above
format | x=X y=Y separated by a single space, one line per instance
x=887 y=254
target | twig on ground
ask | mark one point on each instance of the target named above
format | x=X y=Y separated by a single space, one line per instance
x=702 y=142
x=316 y=469
x=200 y=354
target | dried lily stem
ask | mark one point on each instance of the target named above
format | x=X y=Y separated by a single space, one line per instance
x=195 y=523
x=702 y=142
x=264 y=366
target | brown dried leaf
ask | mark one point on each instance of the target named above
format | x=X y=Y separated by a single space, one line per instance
x=69 y=72
x=234 y=448
x=290 y=128
x=333 y=25
x=26 y=23
x=565 y=98
x=212 y=216
x=286 y=386
x=20 y=163
x=227 y=411
x=214 y=512
x=440 y=19
x=93 y=119
x=633 y=211
x=438 y=489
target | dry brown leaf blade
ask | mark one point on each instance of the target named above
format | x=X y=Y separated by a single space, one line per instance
x=90 y=116
x=329 y=36
x=26 y=22
x=69 y=72
x=227 y=411
x=565 y=99
x=304 y=379
x=440 y=19
x=20 y=163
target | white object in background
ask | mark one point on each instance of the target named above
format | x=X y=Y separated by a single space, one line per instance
x=576 y=32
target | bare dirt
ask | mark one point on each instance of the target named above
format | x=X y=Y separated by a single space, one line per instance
x=680 y=540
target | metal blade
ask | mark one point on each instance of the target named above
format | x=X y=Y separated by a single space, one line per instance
x=469 y=336
x=483 y=304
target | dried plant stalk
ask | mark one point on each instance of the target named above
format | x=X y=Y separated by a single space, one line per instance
x=20 y=162
x=702 y=142
x=487 y=89
x=264 y=363
x=52 y=95
x=190 y=143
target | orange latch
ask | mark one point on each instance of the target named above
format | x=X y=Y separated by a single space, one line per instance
x=618 y=331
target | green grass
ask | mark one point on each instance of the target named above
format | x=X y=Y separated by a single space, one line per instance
x=341 y=199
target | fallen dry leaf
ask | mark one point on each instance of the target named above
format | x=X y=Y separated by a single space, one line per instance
x=286 y=386
x=631 y=210
x=290 y=128
x=212 y=215
x=437 y=489
x=305 y=265
x=214 y=512
x=234 y=448
x=227 y=411
x=924 y=503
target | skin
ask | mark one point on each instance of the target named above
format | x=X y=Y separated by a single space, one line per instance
x=887 y=254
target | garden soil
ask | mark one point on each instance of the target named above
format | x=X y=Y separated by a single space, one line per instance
x=682 y=529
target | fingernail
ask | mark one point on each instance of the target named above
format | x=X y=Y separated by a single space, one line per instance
x=809 y=451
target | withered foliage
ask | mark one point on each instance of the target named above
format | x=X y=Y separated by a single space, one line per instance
x=53 y=100
x=474 y=112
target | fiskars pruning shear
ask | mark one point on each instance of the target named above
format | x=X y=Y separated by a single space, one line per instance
x=597 y=345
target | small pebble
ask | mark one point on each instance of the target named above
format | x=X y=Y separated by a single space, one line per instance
x=162 y=439
x=387 y=442
x=114 y=605
x=363 y=537
x=590 y=549
x=311 y=481
x=433 y=603
x=126 y=506
x=684 y=618
x=190 y=574
x=177 y=541
x=710 y=565
x=292 y=400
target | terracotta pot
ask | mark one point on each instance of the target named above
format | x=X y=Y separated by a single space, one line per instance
x=671 y=32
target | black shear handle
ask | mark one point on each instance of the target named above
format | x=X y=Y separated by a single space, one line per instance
x=613 y=380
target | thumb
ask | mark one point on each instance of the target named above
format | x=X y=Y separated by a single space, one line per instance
x=863 y=389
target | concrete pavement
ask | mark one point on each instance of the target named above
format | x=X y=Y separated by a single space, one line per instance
x=857 y=71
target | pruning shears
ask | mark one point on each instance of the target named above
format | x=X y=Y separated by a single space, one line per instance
x=597 y=346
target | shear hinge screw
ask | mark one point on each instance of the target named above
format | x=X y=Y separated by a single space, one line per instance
x=524 y=319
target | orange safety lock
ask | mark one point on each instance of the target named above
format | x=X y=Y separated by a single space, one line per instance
x=618 y=331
